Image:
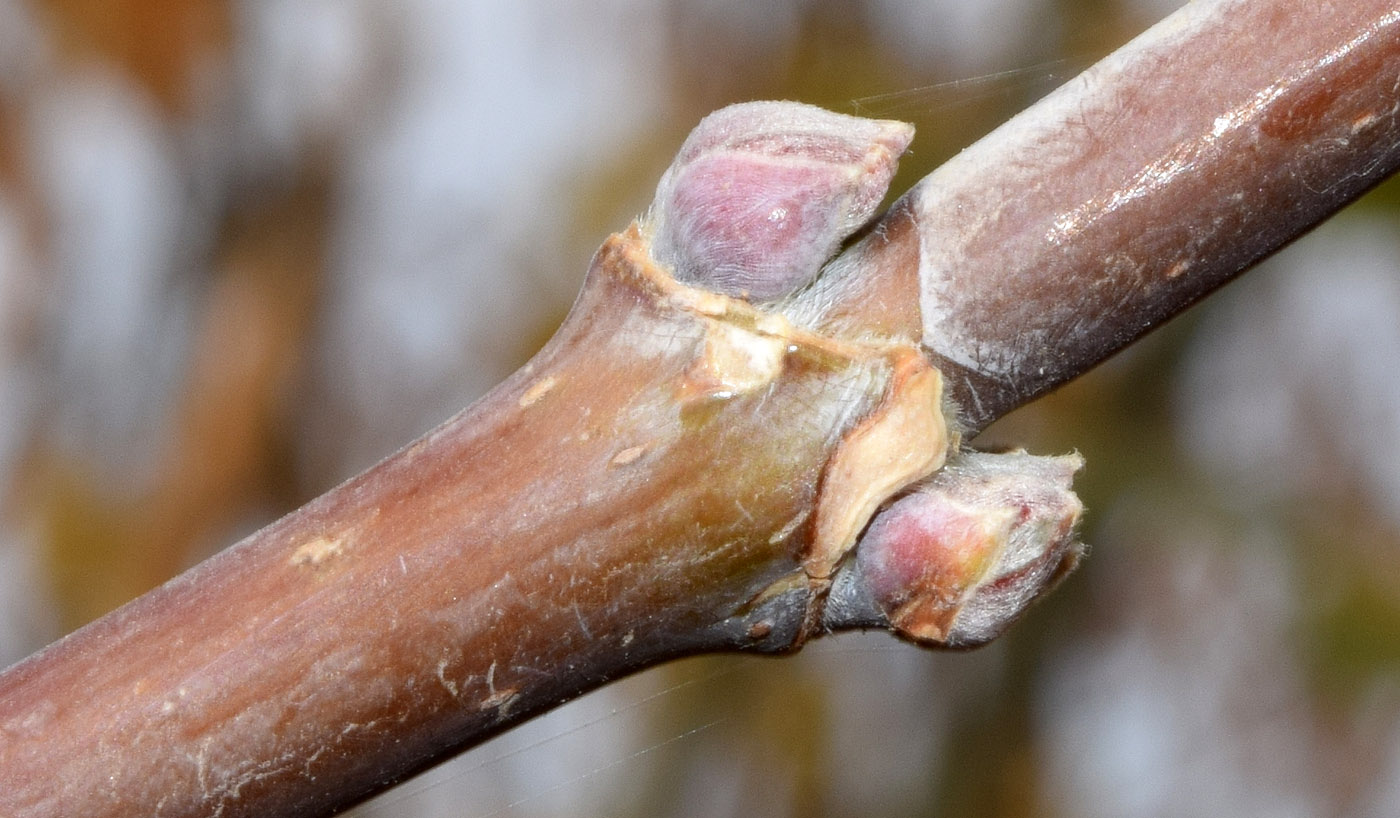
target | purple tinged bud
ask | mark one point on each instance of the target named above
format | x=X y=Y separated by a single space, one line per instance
x=956 y=561
x=762 y=194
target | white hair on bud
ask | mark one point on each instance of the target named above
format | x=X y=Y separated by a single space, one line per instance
x=762 y=194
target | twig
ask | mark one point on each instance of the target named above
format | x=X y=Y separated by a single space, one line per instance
x=1160 y=173
x=680 y=471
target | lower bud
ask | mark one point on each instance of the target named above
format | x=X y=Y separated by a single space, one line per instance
x=957 y=560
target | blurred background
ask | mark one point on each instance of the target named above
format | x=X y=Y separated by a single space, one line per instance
x=249 y=247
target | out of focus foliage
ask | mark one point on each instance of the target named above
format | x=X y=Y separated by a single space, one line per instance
x=247 y=247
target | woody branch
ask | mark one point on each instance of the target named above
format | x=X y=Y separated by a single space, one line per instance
x=690 y=464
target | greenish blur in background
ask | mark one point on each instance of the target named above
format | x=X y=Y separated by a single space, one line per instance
x=249 y=247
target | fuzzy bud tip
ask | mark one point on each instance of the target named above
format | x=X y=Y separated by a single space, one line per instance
x=762 y=194
x=957 y=560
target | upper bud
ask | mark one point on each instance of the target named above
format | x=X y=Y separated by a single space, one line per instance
x=961 y=557
x=763 y=193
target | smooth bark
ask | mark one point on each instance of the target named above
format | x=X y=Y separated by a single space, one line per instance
x=1134 y=190
x=677 y=472
x=671 y=474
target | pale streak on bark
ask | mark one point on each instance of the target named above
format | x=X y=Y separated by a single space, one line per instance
x=529 y=551
x=1166 y=169
x=654 y=483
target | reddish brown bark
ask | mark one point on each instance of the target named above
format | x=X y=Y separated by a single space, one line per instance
x=676 y=472
x=637 y=492
x=1136 y=189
